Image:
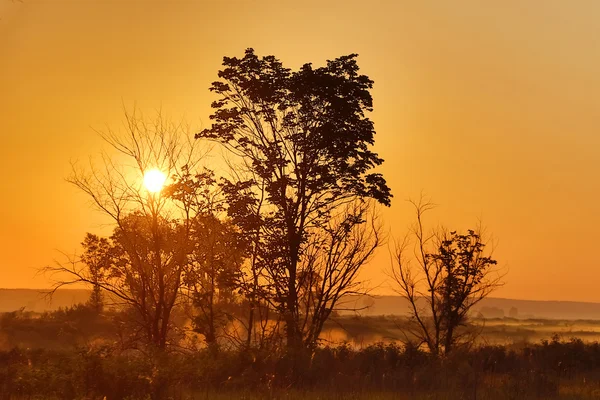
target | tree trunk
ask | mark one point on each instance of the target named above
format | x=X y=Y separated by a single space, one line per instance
x=294 y=341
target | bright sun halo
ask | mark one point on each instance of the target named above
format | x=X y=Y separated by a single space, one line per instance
x=154 y=180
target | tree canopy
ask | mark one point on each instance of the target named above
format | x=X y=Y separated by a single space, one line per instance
x=303 y=141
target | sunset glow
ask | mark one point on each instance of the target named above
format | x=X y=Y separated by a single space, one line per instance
x=332 y=199
x=154 y=180
x=491 y=110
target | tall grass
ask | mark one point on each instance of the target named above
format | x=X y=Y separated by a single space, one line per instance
x=548 y=370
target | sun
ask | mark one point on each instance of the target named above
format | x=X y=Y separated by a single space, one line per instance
x=154 y=180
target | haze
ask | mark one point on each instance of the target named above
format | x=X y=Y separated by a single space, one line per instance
x=493 y=110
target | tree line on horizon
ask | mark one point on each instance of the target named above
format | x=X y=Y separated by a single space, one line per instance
x=264 y=255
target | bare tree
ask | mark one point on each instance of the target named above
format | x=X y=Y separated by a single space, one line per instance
x=327 y=274
x=333 y=258
x=151 y=237
x=442 y=274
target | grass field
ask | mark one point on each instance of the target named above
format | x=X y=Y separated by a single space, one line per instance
x=70 y=355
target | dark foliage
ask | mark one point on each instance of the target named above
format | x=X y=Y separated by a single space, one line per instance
x=535 y=371
x=303 y=141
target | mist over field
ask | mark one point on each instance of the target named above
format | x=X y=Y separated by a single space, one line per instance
x=38 y=301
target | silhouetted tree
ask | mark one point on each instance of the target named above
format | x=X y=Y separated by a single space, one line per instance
x=330 y=265
x=215 y=268
x=451 y=273
x=151 y=238
x=217 y=251
x=98 y=257
x=303 y=141
x=246 y=204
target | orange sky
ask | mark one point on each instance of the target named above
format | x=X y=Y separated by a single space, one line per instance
x=492 y=109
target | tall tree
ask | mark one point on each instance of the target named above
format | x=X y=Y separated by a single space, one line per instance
x=151 y=236
x=303 y=140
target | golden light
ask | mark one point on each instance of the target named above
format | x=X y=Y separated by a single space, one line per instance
x=154 y=180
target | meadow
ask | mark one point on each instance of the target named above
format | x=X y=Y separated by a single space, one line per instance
x=75 y=354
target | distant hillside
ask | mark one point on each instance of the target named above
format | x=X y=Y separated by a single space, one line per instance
x=490 y=307
x=35 y=300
